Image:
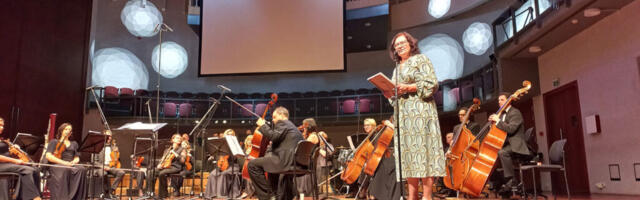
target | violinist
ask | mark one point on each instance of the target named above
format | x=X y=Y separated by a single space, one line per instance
x=108 y=158
x=284 y=137
x=176 y=182
x=65 y=183
x=220 y=179
x=172 y=162
x=248 y=187
x=29 y=176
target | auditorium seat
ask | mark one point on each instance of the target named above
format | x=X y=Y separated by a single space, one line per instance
x=215 y=95
x=283 y=95
x=305 y=107
x=202 y=95
x=375 y=91
x=322 y=94
x=169 y=109
x=110 y=92
x=260 y=107
x=362 y=91
x=375 y=103
x=185 y=110
x=349 y=106
x=200 y=107
x=308 y=94
x=256 y=95
x=467 y=91
x=246 y=113
x=335 y=93
x=327 y=106
x=126 y=92
x=224 y=110
x=364 y=105
x=295 y=95
x=349 y=92
x=242 y=96
x=155 y=93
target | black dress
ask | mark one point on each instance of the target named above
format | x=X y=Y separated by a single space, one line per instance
x=29 y=177
x=383 y=184
x=66 y=183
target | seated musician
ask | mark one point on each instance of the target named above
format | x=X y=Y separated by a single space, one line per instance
x=383 y=184
x=248 y=186
x=369 y=126
x=510 y=121
x=29 y=176
x=309 y=127
x=139 y=162
x=65 y=183
x=104 y=159
x=446 y=192
x=471 y=125
x=172 y=162
x=220 y=180
x=284 y=137
x=176 y=182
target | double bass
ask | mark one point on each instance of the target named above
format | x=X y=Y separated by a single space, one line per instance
x=482 y=165
x=383 y=141
x=258 y=143
x=463 y=150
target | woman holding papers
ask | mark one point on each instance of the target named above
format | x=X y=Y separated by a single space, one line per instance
x=418 y=127
x=29 y=176
x=65 y=183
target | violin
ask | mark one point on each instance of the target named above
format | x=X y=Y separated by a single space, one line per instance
x=138 y=161
x=60 y=147
x=223 y=163
x=15 y=151
x=167 y=159
x=187 y=161
x=115 y=155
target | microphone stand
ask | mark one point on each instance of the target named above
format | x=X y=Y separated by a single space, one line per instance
x=327 y=148
x=206 y=118
x=397 y=139
x=106 y=126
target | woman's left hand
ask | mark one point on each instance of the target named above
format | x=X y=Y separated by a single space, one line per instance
x=405 y=88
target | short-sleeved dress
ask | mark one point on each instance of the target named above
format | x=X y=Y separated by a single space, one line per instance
x=421 y=144
x=66 y=183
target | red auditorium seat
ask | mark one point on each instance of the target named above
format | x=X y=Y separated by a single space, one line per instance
x=185 y=110
x=467 y=91
x=349 y=106
x=126 y=92
x=246 y=113
x=110 y=92
x=364 y=106
x=169 y=109
x=260 y=108
x=141 y=92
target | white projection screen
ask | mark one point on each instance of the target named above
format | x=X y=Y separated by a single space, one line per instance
x=267 y=36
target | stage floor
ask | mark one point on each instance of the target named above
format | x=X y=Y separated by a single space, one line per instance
x=581 y=197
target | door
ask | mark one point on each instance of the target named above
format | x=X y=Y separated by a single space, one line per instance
x=563 y=118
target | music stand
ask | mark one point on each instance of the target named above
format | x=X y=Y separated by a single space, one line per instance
x=93 y=143
x=149 y=129
x=28 y=142
x=226 y=145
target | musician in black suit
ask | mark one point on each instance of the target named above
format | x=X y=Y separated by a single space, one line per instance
x=284 y=137
x=510 y=121
x=471 y=125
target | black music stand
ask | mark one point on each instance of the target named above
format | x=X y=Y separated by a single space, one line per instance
x=221 y=145
x=93 y=143
x=29 y=143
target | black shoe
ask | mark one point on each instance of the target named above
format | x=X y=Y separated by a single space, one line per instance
x=176 y=193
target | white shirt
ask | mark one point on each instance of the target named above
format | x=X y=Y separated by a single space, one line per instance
x=107 y=153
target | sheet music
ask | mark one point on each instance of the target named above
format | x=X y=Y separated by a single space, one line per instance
x=142 y=126
x=383 y=83
x=234 y=145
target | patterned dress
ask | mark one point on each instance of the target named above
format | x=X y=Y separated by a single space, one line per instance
x=421 y=143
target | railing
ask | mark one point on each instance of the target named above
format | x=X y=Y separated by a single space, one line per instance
x=451 y=95
x=512 y=21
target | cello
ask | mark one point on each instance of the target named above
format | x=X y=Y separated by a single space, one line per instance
x=360 y=157
x=384 y=139
x=464 y=148
x=258 y=143
x=482 y=165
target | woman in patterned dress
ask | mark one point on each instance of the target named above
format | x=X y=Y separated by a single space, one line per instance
x=421 y=153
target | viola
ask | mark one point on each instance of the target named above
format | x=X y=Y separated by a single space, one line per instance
x=60 y=147
x=17 y=152
x=167 y=159
x=115 y=155
x=258 y=143
x=138 y=161
x=494 y=138
x=223 y=163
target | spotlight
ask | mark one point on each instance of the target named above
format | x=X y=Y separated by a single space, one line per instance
x=592 y=12
x=535 y=49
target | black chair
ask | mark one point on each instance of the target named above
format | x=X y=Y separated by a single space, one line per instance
x=13 y=184
x=304 y=154
x=558 y=163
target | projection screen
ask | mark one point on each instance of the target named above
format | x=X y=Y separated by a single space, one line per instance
x=260 y=36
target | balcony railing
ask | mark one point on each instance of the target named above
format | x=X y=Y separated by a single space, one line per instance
x=512 y=21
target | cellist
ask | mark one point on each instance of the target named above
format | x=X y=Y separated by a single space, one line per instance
x=383 y=184
x=105 y=158
x=511 y=122
x=284 y=137
x=29 y=176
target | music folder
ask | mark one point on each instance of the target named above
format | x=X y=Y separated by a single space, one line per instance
x=228 y=144
x=383 y=83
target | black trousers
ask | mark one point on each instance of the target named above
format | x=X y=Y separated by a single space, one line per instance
x=29 y=180
x=162 y=175
x=113 y=171
x=507 y=163
x=280 y=186
x=139 y=175
x=176 y=182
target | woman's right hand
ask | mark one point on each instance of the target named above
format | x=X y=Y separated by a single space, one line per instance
x=18 y=162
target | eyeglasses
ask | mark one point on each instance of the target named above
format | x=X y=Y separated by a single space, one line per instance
x=401 y=43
